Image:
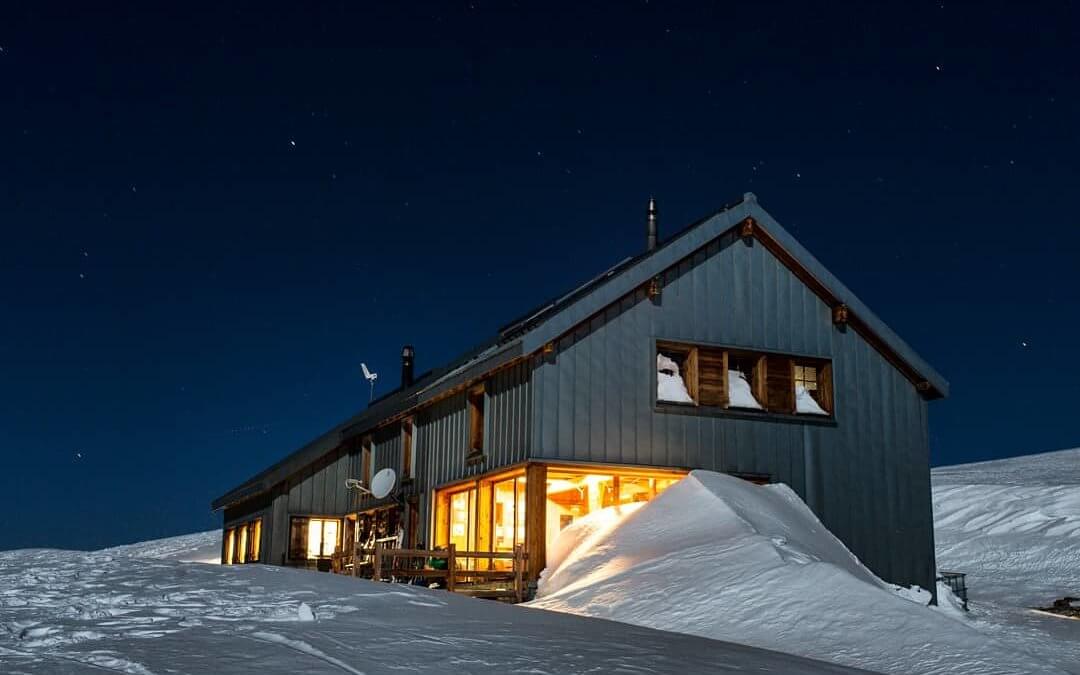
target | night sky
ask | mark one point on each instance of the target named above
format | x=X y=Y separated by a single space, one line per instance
x=210 y=217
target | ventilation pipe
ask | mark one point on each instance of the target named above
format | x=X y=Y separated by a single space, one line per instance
x=650 y=226
x=407 y=354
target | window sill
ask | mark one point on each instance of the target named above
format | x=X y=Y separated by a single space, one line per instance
x=673 y=408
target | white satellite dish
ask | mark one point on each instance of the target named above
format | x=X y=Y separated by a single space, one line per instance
x=383 y=483
x=370 y=377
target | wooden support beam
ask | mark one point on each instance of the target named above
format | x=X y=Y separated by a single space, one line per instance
x=536 y=518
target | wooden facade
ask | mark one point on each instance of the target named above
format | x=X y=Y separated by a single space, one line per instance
x=576 y=384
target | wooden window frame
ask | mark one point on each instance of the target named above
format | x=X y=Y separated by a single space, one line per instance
x=475 y=403
x=772 y=380
x=407 y=447
x=824 y=393
x=365 y=461
x=688 y=355
x=293 y=518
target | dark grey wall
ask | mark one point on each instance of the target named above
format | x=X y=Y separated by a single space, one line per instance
x=867 y=476
x=440 y=439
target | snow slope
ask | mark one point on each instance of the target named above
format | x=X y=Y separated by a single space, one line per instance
x=1013 y=526
x=720 y=557
x=138 y=609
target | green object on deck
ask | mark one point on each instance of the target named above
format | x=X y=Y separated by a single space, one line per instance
x=437 y=563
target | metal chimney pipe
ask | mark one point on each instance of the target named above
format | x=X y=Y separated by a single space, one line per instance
x=407 y=354
x=651 y=234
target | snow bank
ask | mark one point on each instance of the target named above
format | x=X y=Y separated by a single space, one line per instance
x=720 y=557
x=137 y=609
x=1013 y=526
x=203 y=547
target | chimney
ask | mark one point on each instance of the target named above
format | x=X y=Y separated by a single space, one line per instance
x=407 y=365
x=650 y=226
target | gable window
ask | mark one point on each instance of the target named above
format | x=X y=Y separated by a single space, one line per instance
x=476 y=420
x=676 y=373
x=313 y=538
x=716 y=377
x=407 y=449
x=813 y=387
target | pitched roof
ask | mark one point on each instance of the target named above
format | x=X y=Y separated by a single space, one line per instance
x=552 y=319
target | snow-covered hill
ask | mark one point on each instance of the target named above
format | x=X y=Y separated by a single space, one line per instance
x=719 y=557
x=137 y=609
x=1013 y=526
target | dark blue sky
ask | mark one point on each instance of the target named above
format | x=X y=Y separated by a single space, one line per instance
x=210 y=217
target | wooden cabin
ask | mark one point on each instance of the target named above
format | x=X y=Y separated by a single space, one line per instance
x=726 y=347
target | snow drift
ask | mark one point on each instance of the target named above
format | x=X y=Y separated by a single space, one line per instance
x=720 y=557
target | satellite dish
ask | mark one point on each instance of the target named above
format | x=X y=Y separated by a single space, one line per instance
x=383 y=483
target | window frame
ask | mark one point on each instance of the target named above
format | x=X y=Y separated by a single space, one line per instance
x=767 y=360
x=476 y=402
x=294 y=517
x=408 y=449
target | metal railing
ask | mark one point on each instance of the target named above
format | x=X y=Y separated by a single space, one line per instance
x=957 y=583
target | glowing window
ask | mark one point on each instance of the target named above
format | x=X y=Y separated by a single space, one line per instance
x=241 y=548
x=230 y=537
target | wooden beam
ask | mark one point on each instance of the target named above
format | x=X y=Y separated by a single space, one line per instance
x=536 y=518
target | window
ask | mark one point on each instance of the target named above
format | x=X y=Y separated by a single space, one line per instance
x=407 y=449
x=365 y=462
x=313 y=538
x=717 y=377
x=476 y=420
x=676 y=373
x=813 y=387
x=230 y=539
x=243 y=543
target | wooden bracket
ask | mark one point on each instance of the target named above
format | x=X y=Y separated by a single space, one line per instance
x=923 y=386
x=746 y=228
x=840 y=315
x=549 y=348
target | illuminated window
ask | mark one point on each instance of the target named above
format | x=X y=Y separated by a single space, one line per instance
x=241 y=547
x=572 y=495
x=806 y=377
x=255 y=540
x=313 y=538
x=230 y=538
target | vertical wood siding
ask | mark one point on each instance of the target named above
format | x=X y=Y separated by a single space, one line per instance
x=867 y=477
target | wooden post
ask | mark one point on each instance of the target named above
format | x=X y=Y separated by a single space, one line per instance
x=377 y=572
x=535 y=519
x=519 y=564
x=451 y=569
x=355 y=557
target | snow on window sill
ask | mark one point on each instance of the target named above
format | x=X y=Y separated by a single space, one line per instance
x=743 y=413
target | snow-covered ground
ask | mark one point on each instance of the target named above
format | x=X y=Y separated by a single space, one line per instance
x=1013 y=526
x=140 y=609
x=719 y=557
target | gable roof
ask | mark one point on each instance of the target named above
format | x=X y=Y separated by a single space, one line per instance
x=552 y=319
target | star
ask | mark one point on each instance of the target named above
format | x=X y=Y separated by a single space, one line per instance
x=1023 y=343
x=292 y=143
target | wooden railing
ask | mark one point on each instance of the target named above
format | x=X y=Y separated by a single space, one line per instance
x=462 y=573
